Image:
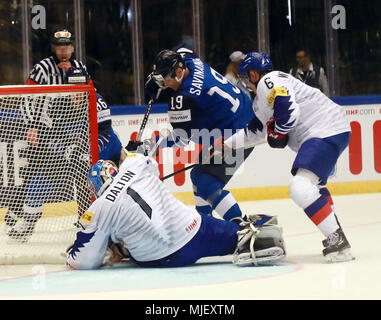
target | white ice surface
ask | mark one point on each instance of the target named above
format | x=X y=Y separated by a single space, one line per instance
x=308 y=276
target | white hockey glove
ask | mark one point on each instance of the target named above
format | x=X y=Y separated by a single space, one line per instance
x=149 y=147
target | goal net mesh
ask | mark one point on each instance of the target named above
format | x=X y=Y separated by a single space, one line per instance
x=48 y=141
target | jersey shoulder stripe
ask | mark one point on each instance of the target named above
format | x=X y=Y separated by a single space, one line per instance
x=276 y=92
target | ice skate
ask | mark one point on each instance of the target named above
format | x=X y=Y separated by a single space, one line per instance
x=337 y=247
x=23 y=231
x=10 y=219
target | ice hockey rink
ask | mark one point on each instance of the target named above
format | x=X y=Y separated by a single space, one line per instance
x=304 y=274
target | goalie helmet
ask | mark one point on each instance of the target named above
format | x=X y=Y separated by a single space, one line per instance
x=257 y=61
x=101 y=175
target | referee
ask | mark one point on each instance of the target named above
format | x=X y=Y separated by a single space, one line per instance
x=41 y=181
x=52 y=70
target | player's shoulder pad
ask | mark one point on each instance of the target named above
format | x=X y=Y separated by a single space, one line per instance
x=86 y=218
x=273 y=85
x=276 y=92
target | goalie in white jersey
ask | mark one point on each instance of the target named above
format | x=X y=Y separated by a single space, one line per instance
x=295 y=114
x=136 y=211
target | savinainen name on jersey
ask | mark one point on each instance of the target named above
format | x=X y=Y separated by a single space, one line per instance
x=198 y=77
x=118 y=187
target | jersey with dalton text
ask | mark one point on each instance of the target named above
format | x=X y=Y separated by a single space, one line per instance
x=207 y=100
x=301 y=111
x=139 y=210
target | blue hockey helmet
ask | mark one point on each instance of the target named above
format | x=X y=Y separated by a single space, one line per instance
x=101 y=175
x=257 y=61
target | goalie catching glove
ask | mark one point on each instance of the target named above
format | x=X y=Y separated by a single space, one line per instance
x=275 y=139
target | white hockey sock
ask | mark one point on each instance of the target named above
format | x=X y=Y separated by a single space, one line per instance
x=329 y=224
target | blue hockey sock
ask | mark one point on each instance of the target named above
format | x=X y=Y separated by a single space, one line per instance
x=37 y=193
x=202 y=206
x=226 y=205
x=209 y=189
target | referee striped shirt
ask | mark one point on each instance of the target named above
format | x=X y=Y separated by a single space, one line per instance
x=47 y=71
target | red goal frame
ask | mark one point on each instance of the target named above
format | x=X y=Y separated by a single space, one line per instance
x=92 y=110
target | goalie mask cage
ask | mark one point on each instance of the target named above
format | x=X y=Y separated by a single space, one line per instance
x=48 y=141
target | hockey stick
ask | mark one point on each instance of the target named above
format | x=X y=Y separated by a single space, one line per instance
x=145 y=119
x=164 y=133
x=125 y=150
x=179 y=171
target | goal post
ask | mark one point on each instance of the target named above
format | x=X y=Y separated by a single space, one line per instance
x=48 y=142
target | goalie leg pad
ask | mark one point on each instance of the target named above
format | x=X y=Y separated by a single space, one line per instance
x=259 y=246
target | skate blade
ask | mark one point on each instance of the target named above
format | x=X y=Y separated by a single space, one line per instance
x=274 y=255
x=340 y=256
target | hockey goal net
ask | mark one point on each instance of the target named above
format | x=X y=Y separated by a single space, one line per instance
x=48 y=141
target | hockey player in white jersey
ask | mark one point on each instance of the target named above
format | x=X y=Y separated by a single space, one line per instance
x=295 y=114
x=135 y=210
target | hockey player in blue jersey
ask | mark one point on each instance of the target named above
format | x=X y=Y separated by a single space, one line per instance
x=109 y=145
x=204 y=107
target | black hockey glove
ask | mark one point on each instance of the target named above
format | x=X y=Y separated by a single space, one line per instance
x=275 y=139
x=132 y=145
x=145 y=147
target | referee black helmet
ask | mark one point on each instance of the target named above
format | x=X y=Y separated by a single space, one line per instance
x=62 y=37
